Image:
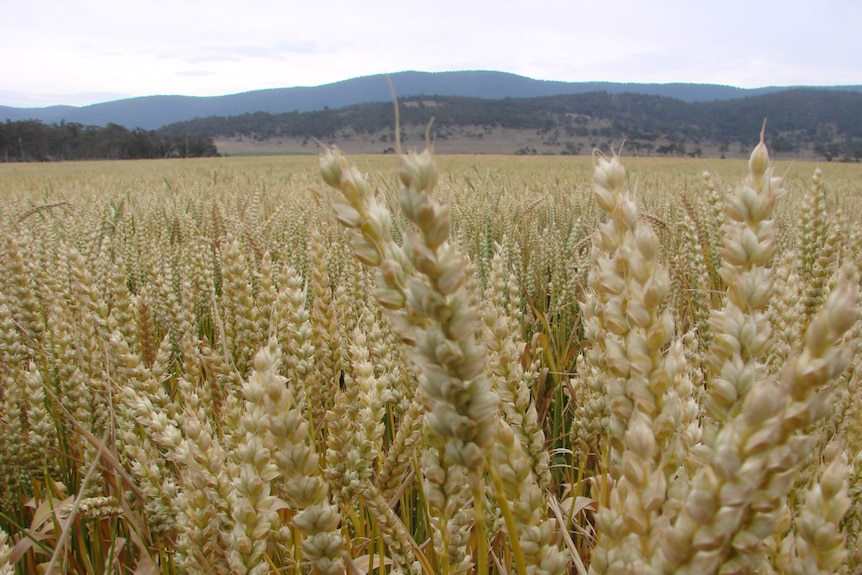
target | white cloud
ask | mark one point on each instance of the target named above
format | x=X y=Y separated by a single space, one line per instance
x=219 y=47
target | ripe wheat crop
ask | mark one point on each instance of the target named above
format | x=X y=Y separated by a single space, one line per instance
x=515 y=366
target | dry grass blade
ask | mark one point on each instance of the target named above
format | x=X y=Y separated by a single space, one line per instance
x=567 y=537
x=65 y=524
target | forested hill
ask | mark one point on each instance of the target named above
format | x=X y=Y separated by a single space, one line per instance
x=152 y=112
x=821 y=122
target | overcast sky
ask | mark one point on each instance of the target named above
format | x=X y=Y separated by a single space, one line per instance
x=86 y=51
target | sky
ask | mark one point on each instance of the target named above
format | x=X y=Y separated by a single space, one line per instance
x=89 y=51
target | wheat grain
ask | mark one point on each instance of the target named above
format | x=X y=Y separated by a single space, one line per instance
x=6 y=567
x=135 y=312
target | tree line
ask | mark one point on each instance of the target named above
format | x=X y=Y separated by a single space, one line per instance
x=32 y=140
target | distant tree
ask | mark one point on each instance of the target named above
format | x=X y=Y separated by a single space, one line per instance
x=828 y=151
x=4 y=142
x=781 y=144
x=571 y=149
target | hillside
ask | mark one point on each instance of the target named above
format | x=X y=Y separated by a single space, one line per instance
x=802 y=122
x=153 y=112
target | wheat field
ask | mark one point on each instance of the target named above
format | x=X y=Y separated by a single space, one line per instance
x=430 y=365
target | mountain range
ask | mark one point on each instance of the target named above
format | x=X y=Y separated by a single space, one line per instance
x=153 y=112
